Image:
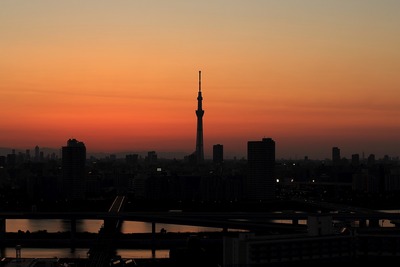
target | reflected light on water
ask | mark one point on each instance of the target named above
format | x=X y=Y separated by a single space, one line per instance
x=45 y=252
x=143 y=253
x=141 y=227
x=91 y=226
x=81 y=253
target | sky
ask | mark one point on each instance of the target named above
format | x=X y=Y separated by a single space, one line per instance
x=123 y=75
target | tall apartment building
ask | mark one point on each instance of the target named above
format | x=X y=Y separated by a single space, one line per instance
x=335 y=155
x=37 y=153
x=73 y=169
x=218 y=154
x=261 y=180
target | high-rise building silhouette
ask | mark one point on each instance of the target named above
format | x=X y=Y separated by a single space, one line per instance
x=371 y=159
x=355 y=159
x=335 y=155
x=73 y=169
x=218 y=154
x=37 y=153
x=199 y=137
x=261 y=180
x=28 y=154
x=151 y=157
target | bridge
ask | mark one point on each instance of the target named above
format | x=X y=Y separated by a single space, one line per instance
x=102 y=251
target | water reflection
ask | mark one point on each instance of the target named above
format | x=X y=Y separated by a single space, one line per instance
x=81 y=253
x=45 y=252
x=52 y=225
x=140 y=227
x=93 y=226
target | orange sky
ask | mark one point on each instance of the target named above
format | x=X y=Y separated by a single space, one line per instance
x=122 y=76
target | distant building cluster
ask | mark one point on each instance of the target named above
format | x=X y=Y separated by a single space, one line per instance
x=261 y=177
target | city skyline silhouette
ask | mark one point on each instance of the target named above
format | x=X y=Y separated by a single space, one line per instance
x=198 y=154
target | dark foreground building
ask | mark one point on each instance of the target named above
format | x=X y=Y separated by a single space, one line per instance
x=261 y=166
x=73 y=169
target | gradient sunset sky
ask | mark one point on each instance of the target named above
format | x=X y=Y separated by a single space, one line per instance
x=123 y=75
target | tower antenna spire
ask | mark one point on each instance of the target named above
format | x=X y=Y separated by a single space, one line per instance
x=199 y=80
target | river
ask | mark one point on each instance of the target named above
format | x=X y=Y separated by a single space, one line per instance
x=91 y=226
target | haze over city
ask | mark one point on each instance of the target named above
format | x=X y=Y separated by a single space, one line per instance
x=123 y=76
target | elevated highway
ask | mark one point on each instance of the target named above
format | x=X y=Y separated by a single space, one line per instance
x=102 y=251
